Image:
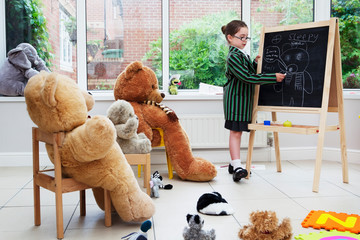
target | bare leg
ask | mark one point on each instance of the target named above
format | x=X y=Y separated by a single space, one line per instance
x=234 y=144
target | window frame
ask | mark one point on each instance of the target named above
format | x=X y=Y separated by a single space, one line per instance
x=322 y=11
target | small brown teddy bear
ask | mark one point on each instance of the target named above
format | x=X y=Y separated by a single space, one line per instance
x=265 y=227
x=138 y=85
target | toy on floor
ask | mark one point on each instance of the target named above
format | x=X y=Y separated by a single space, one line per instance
x=122 y=114
x=194 y=230
x=141 y=235
x=22 y=63
x=89 y=152
x=156 y=183
x=332 y=235
x=213 y=204
x=138 y=85
x=332 y=220
x=264 y=226
x=174 y=82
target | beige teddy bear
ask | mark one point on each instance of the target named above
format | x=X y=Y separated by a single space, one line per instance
x=265 y=226
x=89 y=152
x=122 y=114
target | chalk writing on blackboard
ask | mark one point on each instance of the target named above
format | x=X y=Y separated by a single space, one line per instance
x=301 y=54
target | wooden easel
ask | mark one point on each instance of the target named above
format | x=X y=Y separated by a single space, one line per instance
x=332 y=101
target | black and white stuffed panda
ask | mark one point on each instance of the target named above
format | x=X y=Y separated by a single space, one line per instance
x=213 y=204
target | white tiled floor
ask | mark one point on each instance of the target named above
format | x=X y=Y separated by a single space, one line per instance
x=288 y=193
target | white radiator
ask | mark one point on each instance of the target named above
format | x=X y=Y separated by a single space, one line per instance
x=207 y=131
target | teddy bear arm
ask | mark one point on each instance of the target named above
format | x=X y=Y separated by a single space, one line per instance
x=124 y=131
x=91 y=140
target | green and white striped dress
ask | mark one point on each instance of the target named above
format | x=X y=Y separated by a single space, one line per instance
x=239 y=89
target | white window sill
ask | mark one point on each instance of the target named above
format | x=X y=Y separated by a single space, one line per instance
x=182 y=96
x=190 y=95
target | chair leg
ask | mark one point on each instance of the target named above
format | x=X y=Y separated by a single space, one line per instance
x=147 y=173
x=170 y=169
x=59 y=214
x=82 y=203
x=107 y=203
x=37 y=214
x=139 y=170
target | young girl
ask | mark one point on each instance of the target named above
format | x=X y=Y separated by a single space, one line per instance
x=239 y=91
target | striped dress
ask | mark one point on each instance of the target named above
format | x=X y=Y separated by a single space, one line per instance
x=239 y=89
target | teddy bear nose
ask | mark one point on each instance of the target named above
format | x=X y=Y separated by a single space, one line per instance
x=162 y=95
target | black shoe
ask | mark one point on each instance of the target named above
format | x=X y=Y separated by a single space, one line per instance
x=239 y=173
x=230 y=169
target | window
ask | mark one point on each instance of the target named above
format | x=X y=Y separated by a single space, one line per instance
x=65 y=41
x=118 y=33
x=48 y=30
x=277 y=12
x=348 y=12
x=197 y=46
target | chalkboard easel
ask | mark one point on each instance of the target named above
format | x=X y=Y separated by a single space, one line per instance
x=310 y=56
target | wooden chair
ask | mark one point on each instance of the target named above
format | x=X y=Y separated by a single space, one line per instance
x=145 y=161
x=56 y=183
x=162 y=144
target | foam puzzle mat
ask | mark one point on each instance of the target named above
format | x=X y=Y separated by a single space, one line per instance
x=332 y=221
x=332 y=235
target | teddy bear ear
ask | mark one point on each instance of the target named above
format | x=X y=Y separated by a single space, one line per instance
x=132 y=69
x=48 y=91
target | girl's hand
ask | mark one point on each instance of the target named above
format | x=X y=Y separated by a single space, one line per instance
x=257 y=58
x=280 y=77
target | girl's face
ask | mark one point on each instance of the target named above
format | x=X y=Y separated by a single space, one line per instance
x=239 y=40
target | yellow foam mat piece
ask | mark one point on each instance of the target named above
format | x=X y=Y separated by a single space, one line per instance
x=332 y=221
x=332 y=235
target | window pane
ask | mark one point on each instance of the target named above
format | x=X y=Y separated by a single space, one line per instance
x=197 y=46
x=348 y=12
x=270 y=13
x=47 y=30
x=118 y=33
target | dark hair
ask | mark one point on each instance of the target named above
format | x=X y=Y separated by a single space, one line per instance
x=232 y=28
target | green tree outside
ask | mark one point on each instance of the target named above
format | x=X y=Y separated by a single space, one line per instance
x=197 y=51
x=25 y=22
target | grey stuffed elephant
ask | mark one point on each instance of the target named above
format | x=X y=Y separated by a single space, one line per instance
x=22 y=63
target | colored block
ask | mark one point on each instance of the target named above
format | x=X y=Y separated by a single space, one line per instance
x=331 y=220
x=332 y=235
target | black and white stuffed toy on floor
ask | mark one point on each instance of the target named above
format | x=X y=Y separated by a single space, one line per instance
x=194 y=230
x=213 y=204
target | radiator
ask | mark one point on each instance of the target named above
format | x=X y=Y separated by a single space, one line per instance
x=207 y=131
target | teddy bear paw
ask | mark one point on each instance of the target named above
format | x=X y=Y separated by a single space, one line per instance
x=199 y=170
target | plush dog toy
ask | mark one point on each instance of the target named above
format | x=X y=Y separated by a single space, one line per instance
x=89 y=153
x=22 y=63
x=194 y=231
x=121 y=113
x=138 y=85
x=174 y=83
x=156 y=183
x=265 y=226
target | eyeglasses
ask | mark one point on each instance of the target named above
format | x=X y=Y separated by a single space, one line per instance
x=243 y=38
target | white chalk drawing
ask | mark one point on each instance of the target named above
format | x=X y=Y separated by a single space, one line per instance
x=293 y=59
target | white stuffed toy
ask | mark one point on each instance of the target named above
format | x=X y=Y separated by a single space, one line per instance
x=122 y=114
x=195 y=231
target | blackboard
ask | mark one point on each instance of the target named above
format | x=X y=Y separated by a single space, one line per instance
x=301 y=54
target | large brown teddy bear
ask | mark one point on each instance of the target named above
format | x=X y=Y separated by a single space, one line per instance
x=90 y=153
x=138 y=85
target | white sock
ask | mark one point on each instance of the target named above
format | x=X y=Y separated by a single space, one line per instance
x=236 y=163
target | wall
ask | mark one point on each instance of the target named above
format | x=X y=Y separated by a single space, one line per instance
x=15 y=131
